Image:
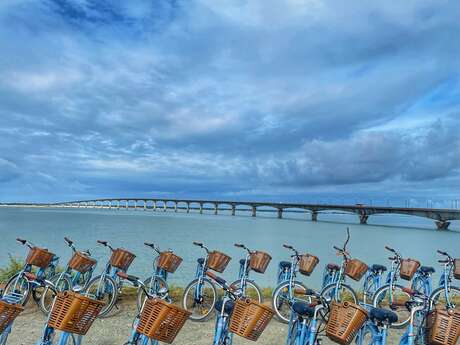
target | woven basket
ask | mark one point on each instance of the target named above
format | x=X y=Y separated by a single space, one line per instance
x=74 y=313
x=345 y=320
x=161 y=321
x=356 y=269
x=259 y=261
x=218 y=261
x=408 y=268
x=121 y=259
x=250 y=318
x=457 y=268
x=8 y=312
x=169 y=261
x=81 y=262
x=39 y=257
x=307 y=264
x=443 y=327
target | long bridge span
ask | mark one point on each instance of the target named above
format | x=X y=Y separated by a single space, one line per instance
x=442 y=217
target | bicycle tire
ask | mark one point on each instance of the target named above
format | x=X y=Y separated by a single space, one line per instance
x=113 y=297
x=259 y=297
x=11 y=281
x=437 y=292
x=141 y=294
x=376 y=304
x=188 y=290
x=276 y=302
x=43 y=305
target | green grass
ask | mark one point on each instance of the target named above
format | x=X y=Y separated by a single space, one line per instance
x=14 y=266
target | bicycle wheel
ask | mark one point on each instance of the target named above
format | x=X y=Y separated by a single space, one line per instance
x=61 y=283
x=393 y=299
x=252 y=290
x=199 y=300
x=281 y=299
x=329 y=293
x=104 y=290
x=452 y=301
x=154 y=286
x=19 y=285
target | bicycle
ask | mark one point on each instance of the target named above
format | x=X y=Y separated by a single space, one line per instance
x=71 y=314
x=338 y=290
x=11 y=308
x=163 y=263
x=107 y=286
x=375 y=331
x=304 y=321
x=393 y=295
x=25 y=282
x=248 y=287
x=446 y=294
x=75 y=276
x=330 y=274
x=200 y=295
x=284 y=293
x=372 y=282
x=178 y=317
x=423 y=281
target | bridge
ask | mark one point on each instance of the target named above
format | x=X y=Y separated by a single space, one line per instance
x=442 y=217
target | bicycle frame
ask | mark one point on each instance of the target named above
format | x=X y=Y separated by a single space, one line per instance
x=372 y=281
x=446 y=277
x=200 y=274
x=329 y=277
x=425 y=280
x=221 y=328
x=306 y=331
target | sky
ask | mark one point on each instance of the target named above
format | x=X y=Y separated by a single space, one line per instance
x=284 y=100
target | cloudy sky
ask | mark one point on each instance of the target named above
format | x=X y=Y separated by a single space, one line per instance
x=242 y=99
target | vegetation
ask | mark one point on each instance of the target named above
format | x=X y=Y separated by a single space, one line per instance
x=14 y=266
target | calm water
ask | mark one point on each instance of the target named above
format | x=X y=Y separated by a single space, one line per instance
x=129 y=229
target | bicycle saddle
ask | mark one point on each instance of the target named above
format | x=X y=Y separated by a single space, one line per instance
x=228 y=306
x=383 y=315
x=285 y=264
x=378 y=268
x=200 y=261
x=333 y=267
x=427 y=270
x=303 y=309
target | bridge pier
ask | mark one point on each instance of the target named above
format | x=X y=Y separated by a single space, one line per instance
x=145 y=205
x=201 y=208
x=216 y=209
x=175 y=206
x=314 y=216
x=280 y=213
x=254 y=211
x=165 y=206
x=442 y=224
x=127 y=204
x=233 y=210
x=188 y=207
x=363 y=218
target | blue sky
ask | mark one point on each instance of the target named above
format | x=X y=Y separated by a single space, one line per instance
x=294 y=100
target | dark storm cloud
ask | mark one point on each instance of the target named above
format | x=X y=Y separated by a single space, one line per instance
x=231 y=98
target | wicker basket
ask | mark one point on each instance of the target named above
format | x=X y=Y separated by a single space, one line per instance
x=249 y=319
x=408 y=268
x=39 y=257
x=161 y=321
x=345 y=320
x=74 y=313
x=307 y=264
x=169 y=261
x=81 y=262
x=356 y=269
x=259 y=261
x=457 y=268
x=121 y=259
x=443 y=327
x=218 y=261
x=8 y=312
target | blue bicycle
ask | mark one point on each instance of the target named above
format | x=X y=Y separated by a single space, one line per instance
x=372 y=282
x=107 y=286
x=375 y=330
x=305 y=320
x=170 y=324
x=11 y=308
x=75 y=276
x=200 y=295
x=26 y=283
x=285 y=292
x=163 y=263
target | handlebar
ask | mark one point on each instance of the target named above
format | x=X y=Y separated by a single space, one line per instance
x=390 y=249
x=20 y=240
x=239 y=245
x=287 y=246
x=199 y=244
x=151 y=245
x=338 y=249
x=68 y=240
x=104 y=243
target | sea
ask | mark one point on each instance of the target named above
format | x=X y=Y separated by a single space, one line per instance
x=413 y=237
